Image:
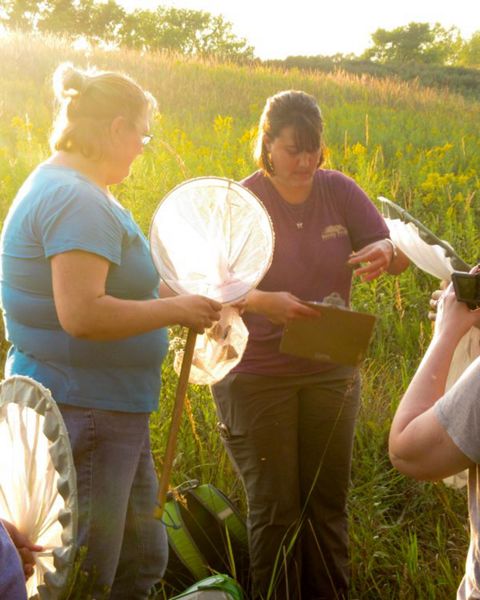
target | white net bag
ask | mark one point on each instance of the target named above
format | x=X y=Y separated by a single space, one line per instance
x=430 y=258
x=212 y=236
x=218 y=350
x=37 y=481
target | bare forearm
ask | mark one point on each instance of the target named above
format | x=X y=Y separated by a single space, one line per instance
x=278 y=307
x=165 y=291
x=255 y=300
x=419 y=444
x=427 y=385
x=86 y=311
x=105 y=318
x=110 y=318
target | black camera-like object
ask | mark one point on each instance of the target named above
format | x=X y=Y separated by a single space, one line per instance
x=467 y=288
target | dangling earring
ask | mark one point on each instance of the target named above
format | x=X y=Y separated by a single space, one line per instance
x=270 y=163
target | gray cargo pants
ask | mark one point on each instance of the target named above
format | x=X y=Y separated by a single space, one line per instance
x=290 y=439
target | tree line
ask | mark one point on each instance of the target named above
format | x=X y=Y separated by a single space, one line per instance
x=415 y=43
x=424 y=43
x=191 y=32
x=430 y=54
x=197 y=32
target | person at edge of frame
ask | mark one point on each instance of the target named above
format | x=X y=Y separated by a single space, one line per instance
x=16 y=561
x=435 y=433
x=287 y=422
x=80 y=297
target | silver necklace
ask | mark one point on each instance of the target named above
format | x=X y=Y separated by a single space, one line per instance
x=296 y=212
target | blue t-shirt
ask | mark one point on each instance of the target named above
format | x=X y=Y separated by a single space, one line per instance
x=57 y=210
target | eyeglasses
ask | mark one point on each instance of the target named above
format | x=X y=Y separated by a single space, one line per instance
x=146 y=139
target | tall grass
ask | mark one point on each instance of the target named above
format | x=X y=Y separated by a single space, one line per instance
x=417 y=146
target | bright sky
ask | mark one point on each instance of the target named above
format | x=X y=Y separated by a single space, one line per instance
x=277 y=29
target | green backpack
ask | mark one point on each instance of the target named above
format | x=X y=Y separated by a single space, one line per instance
x=216 y=587
x=205 y=533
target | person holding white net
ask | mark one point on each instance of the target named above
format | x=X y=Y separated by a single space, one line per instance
x=288 y=422
x=16 y=561
x=82 y=311
x=435 y=432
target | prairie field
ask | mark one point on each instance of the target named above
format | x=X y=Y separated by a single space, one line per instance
x=417 y=146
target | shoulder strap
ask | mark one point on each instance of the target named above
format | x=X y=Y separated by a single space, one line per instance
x=181 y=542
x=222 y=509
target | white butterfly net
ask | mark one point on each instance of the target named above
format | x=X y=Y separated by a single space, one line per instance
x=439 y=261
x=211 y=236
x=37 y=481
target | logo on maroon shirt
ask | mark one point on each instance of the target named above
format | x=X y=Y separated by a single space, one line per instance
x=334 y=231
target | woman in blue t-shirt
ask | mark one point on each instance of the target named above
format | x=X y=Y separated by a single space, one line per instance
x=82 y=311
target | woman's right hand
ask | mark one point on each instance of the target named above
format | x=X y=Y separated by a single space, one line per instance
x=197 y=312
x=279 y=307
x=454 y=318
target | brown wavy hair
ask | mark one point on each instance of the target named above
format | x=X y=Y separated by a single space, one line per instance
x=290 y=108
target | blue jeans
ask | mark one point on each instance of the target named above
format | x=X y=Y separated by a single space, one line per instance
x=117 y=488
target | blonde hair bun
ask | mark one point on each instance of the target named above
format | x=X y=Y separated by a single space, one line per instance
x=88 y=101
x=68 y=81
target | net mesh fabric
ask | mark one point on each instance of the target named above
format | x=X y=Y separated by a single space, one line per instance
x=211 y=236
x=428 y=257
x=37 y=480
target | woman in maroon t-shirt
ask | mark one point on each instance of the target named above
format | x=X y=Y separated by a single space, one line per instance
x=288 y=422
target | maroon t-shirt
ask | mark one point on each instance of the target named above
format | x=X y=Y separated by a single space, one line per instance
x=313 y=241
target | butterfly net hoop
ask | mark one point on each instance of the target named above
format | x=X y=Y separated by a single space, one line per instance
x=38 y=482
x=212 y=236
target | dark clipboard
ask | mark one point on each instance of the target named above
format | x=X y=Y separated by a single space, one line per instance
x=339 y=335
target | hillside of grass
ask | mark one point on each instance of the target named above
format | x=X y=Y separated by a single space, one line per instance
x=460 y=80
x=415 y=145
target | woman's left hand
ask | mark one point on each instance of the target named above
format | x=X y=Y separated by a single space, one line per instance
x=376 y=258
